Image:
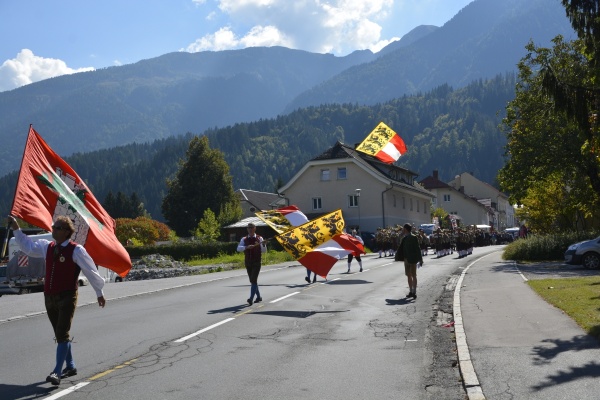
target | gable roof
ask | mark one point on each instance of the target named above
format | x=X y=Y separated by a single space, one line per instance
x=385 y=173
x=261 y=200
x=431 y=182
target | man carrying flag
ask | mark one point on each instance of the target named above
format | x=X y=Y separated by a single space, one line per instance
x=64 y=259
x=51 y=195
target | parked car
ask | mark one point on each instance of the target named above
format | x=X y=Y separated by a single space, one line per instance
x=586 y=253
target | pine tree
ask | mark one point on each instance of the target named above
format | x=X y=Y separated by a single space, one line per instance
x=202 y=182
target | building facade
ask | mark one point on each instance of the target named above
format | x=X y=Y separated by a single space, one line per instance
x=371 y=194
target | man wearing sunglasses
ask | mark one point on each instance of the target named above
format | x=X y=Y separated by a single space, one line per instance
x=64 y=260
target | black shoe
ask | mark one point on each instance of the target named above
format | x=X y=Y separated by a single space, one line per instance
x=258 y=300
x=307 y=279
x=53 y=379
x=67 y=372
x=315 y=278
x=414 y=295
x=249 y=301
x=410 y=294
x=360 y=270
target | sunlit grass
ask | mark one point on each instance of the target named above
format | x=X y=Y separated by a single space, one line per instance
x=577 y=297
x=234 y=261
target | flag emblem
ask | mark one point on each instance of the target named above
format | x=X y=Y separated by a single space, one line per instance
x=48 y=187
x=384 y=144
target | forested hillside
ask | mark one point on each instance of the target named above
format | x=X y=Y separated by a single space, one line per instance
x=486 y=38
x=450 y=130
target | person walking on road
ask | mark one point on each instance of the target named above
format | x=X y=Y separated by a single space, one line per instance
x=253 y=246
x=410 y=252
x=307 y=278
x=64 y=260
x=352 y=255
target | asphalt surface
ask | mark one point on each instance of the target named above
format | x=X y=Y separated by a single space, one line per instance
x=519 y=346
x=511 y=344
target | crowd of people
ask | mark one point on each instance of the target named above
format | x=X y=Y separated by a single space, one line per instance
x=442 y=241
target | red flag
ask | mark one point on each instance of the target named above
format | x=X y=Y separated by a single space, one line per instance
x=48 y=187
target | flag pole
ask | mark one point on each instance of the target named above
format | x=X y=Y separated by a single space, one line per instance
x=5 y=243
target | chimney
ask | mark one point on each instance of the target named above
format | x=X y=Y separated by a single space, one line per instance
x=435 y=174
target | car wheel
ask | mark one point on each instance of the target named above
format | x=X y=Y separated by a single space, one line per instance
x=118 y=279
x=591 y=260
x=24 y=291
x=81 y=282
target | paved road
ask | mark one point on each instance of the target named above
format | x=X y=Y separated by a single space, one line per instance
x=521 y=347
x=353 y=337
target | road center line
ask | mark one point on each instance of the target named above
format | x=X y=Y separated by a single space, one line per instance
x=183 y=339
x=284 y=297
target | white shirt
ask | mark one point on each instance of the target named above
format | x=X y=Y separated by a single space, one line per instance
x=242 y=245
x=39 y=248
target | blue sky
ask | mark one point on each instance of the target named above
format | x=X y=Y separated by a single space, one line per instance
x=46 y=38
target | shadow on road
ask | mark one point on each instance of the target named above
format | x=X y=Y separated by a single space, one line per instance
x=231 y=310
x=544 y=354
x=35 y=390
x=399 y=302
x=293 y=314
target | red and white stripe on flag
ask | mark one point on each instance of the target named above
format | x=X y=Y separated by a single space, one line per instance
x=384 y=144
x=322 y=258
x=392 y=150
x=23 y=260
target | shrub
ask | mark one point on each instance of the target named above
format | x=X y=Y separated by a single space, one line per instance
x=550 y=247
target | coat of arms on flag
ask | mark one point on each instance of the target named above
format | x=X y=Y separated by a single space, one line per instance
x=48 y=187
x=384 y=144
x=318 y=244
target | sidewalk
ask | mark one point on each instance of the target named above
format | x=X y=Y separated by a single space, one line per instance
x=520 y=347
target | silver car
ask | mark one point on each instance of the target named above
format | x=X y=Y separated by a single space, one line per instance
x=585 y=253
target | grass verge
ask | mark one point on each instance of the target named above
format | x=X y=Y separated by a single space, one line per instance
x=237 y=260
x=579 y=298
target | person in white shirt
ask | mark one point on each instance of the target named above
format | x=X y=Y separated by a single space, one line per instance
x=64 y=260
x=253 y=246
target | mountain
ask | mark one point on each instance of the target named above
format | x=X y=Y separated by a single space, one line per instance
x=485 y=38
x=157 y=98
x=448 y=130
x=182 y=92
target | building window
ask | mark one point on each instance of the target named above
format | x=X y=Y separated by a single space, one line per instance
x=447 y=197
x=418 y=206
x=324 y=174
x=424 y=207
x=434 y=201
x=353 y=200
x=317 y=203
x=394 y=199
x=411 y=205
x=403 y=203
x=342 y=173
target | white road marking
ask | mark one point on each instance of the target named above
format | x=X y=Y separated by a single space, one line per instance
x=284 y=297
x=183 y=339
x=67 y=391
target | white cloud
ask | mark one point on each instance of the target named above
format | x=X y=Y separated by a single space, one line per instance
x=323 y=26
x=225 y=39
x=27 y=68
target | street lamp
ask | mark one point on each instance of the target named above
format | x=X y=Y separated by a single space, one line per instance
x=358 y=204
